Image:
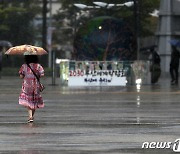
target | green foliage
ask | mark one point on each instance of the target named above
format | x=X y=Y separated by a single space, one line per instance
x=9 y=71
x=16 y=18
x=77 y=17
x=13 y=71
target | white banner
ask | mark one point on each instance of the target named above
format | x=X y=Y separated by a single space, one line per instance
x=97 y=78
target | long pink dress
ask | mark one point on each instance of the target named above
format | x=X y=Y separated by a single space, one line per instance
x=30 y=94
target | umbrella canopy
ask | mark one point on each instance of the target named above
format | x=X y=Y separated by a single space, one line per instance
x=175 y=43
x=26 y=50
x=4 y=43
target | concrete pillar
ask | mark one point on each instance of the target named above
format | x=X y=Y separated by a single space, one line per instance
x=165 y=33
x=169 y=28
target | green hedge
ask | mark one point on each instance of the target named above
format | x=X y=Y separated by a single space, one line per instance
x=10 y=71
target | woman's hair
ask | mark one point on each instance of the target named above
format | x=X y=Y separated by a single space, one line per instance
x=31 y=59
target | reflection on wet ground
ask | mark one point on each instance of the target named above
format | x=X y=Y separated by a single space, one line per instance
x=106 y=120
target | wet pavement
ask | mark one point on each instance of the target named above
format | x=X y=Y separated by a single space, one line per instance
x=91 y=120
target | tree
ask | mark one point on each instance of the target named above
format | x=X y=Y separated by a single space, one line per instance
x=137 y=17
x=16 y=18
x=16 y=25
x=68 y=19
x=69 y=12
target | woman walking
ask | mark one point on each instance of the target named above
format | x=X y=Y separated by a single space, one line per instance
x=174 y=65
x=30 y=95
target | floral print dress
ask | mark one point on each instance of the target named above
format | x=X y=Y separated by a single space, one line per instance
x=30 y=94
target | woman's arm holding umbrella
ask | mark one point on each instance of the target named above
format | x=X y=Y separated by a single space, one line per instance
x=21 y=72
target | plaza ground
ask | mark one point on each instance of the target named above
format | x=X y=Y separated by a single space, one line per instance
x=90 y=120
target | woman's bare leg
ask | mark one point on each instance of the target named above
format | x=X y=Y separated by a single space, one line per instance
x=30 y=113
x=33 y=111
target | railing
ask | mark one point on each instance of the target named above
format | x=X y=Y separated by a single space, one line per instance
x=104 y=73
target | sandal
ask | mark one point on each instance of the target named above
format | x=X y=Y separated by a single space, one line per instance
x=30 y=120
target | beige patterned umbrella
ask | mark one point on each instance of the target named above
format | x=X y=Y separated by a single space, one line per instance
x=26 y=50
